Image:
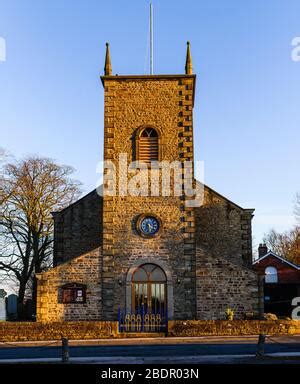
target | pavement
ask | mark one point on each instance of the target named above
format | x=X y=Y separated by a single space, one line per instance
x=248 y=339
x=218 y=359
x=192 y=350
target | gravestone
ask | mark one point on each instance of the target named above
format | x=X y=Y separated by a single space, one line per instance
x=29 y=309
x=12 y=307
x=2 y=305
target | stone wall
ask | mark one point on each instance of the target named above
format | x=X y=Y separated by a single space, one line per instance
x=224 y=228
x=220 y=284
x=194 y=328
x=75 y=330
x=78 y=228
x=11 y=332
x=164 y=103
x=100 y=236
x=85 y=269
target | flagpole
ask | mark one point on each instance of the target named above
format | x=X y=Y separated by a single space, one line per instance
x=151 y=39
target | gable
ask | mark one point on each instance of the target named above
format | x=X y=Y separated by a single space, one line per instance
x=224 y=227
x=212 y=196
x=272 y=259
x=78 y=228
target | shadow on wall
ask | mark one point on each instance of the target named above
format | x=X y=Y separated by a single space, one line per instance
x=78 y=228
x=218 y=228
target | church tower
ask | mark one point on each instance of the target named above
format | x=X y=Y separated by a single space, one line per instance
x=148 y=238
x=147 y=250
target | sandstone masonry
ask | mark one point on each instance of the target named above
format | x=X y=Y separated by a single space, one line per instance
x=204 y=252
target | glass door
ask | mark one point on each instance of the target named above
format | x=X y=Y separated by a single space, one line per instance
x=149 y=290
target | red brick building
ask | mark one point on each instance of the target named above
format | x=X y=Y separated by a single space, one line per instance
x=281 y=281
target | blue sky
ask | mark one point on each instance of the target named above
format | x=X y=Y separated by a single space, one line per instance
x=246 y=116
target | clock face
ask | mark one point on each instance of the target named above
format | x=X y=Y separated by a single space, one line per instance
x=149 y=226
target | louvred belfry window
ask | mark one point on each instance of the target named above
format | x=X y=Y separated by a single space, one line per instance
x=148 y=145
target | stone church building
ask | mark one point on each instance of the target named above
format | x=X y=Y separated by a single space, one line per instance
x=115 y=253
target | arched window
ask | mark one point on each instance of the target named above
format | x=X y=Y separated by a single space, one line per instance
x=271 y=275
x=148 y=145
x=149 y=285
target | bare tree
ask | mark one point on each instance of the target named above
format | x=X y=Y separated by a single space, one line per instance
x=29 y=191
x=286 y=244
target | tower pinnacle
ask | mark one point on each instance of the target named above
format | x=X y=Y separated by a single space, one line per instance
x=188 y=63
x=107 y=66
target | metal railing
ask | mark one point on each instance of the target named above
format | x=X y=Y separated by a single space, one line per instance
x=142 y=321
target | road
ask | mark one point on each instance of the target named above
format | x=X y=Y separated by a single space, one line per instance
x=153 y=348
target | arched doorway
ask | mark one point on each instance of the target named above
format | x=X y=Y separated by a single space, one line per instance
x=149 y=289
x=149 y=298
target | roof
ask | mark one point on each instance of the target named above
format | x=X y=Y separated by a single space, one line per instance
x=147 y=77
x=270 y=253
x=250 y=210
x=76 y=202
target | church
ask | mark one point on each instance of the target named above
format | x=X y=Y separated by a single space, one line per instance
x=137 y=258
